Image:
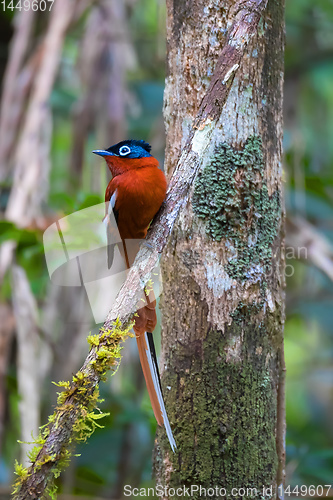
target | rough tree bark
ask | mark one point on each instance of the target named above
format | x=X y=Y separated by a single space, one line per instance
x=222 y=306
x=75 y=405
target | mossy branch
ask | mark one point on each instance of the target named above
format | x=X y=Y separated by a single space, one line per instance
x=74 y=418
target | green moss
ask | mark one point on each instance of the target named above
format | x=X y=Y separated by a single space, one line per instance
x=231 y=195
x=226 y=410
x=19 y=470
x=93 y=340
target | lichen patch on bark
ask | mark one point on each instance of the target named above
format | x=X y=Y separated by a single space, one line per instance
x=231 y=195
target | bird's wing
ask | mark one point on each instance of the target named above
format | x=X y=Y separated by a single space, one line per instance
x=108 y=220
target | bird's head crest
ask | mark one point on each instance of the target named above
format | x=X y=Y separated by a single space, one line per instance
x=127 y=149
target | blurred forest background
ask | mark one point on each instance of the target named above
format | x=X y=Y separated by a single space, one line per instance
x=101 y=65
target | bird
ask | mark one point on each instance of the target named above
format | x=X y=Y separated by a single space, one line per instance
x=134 y=195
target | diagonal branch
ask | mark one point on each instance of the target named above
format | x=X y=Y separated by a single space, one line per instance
x=76 y=402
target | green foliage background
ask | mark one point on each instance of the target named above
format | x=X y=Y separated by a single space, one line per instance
x=308 y=161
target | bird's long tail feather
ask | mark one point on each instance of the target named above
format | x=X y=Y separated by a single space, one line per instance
x=151 y=373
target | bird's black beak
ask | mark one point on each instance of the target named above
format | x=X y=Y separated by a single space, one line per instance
x=102 y=152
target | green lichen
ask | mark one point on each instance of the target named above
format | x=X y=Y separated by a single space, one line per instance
x=225 y=410
x=231 y=195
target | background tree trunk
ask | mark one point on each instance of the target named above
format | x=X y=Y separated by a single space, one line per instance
x=222 y=306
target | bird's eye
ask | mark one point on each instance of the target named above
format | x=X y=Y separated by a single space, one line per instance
x=124 y=150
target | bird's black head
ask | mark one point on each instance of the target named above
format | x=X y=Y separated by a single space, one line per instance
x=127 y=149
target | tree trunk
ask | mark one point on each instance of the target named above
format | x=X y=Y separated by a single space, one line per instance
x=222 y=306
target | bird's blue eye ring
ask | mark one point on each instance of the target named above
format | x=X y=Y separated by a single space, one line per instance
x=124 y=150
